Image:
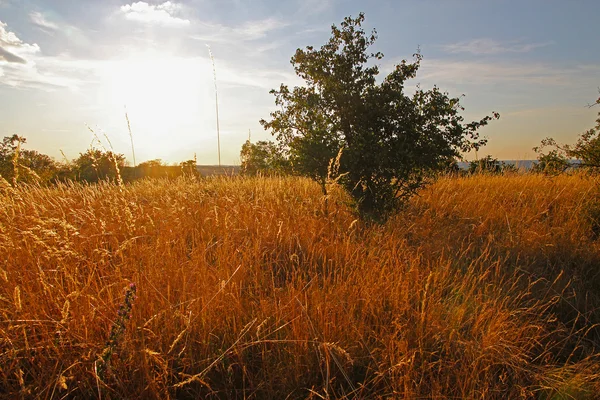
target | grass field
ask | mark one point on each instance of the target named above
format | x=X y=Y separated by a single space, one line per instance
x=484 y=287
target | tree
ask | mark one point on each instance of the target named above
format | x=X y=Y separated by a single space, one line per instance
x=156 y=163
x=391 y=141
x=41 y=167
x=490 y=165
x=188 y=168
x=262 y=157
x=9 y=157
x=22 y=165
x=587 y=147
x=96 y=165
x=586 y=150
x=487 y=164
x=554 y=161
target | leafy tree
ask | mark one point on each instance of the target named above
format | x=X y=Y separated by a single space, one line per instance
x=9 y=154
x=42 y=167
x=188 y=168
x=448 y=167
x=151 y=164
x=586 y=150
x=554 y=161
x=587 y=147
x=96 y=165
x=262 y=157
x=391 y=141
x=22 y=165
x=487 y=164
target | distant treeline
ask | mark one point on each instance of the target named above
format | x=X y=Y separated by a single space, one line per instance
x=18 y=164
x=266 y=158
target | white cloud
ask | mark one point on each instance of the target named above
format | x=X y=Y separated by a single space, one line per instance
x=12 y=49
x=22 y=65
x=73 y=34
x=251 y=30
x=490 y=46
x=162 y=14
x=39 y=20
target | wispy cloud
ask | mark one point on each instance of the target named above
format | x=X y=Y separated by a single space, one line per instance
x=23 y=65
x=38 y=19
x=484 y=46
x=73 y=34
x=486 y=73
x=249 y=31
x=162 y=14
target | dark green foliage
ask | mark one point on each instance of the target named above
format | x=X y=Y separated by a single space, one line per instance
x=586 y=150
x=587 y=147
x=263 y=157
x=554 y=161
x=96 y=165
x=450 y=167
x=490 y=165
x=486 y=164
x=22 y=165
x=391 y=141
x=188 y=168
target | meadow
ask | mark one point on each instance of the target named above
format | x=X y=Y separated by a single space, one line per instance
x=234 y=287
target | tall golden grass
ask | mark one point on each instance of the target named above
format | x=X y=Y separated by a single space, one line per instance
x=484 y=287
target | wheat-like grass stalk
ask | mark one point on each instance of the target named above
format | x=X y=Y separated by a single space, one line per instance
x=15 y=162
x=212 y=59
x=130 y=137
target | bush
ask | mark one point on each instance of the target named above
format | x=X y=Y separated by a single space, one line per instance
x=391 y=142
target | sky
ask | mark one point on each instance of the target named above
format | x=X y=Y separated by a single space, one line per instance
x=70 y=67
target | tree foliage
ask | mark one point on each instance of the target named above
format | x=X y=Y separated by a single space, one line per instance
x=586 y=149
x=490 y=165
x=262 y=157
x=391 y=141
x=97 y=165
x=554 y=161
x=24 y=165
x=188 y=168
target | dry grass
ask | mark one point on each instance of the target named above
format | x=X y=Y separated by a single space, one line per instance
x=485 y=287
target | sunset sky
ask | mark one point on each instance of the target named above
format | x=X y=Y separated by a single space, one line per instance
x=65 y=64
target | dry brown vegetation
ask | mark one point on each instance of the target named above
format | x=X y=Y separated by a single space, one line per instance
x=484 y=287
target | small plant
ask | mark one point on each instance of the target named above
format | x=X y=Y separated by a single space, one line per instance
x=117 y=331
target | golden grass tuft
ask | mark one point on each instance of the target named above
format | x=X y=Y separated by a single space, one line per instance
x=484 y=287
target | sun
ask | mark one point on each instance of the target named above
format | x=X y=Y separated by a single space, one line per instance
x=165 y=97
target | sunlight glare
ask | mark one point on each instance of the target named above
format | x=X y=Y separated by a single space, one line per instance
x=162 y=95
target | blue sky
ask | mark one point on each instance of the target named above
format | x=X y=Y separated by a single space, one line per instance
x=65 y=64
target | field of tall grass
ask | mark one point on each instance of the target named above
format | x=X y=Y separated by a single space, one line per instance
x=483 y=287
